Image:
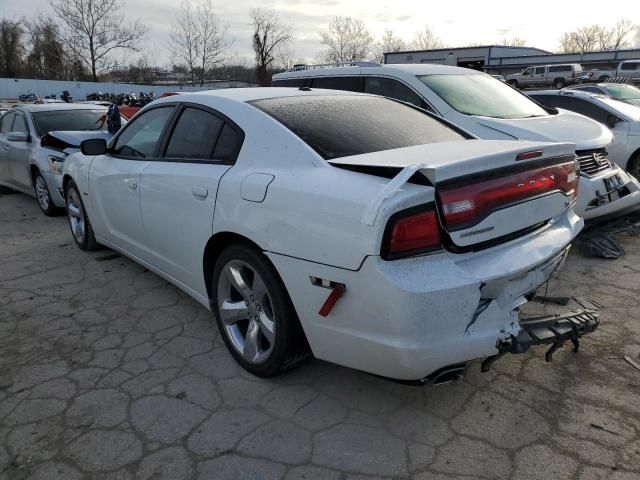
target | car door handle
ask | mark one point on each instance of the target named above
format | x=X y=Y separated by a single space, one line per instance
x=132 y=183
x=200 y=192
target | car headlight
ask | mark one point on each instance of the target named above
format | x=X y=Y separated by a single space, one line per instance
x=55 y=164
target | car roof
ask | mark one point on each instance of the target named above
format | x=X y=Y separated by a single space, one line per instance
x=410 y=68
x=251 y=94
x=51 y=107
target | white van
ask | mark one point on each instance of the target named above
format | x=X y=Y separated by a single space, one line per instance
x=489 y=109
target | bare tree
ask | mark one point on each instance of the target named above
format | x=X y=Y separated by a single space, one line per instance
x=47 y=57
x=426 y=39
x=389 y=43
x=271 y=37
x=592 y=38
x=12 y=47
x=94 y=29
x=185 y=39
x=347 y=40
x=211 y=36
x=513 y=42
x=621 y=32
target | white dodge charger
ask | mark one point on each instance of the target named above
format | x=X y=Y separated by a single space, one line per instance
x=349 y=226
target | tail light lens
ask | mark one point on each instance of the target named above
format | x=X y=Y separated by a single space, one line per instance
x=411 y=232
x=467 y=203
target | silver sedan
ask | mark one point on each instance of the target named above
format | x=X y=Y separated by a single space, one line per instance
x=33 y=147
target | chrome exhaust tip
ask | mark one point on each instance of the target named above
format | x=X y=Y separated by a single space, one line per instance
x=448 y=374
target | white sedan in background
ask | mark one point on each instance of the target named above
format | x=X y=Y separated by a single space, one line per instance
x=622 y=118
x=353 y=226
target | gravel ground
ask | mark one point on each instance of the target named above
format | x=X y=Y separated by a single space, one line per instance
x=108 y=372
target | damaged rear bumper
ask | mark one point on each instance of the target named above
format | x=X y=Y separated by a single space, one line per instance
x=553 y=330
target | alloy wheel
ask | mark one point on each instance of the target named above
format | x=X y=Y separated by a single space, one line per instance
x=246 y=311
x=76 y=215
x=42 y=193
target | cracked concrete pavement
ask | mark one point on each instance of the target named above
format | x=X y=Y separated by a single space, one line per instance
x=108 y=372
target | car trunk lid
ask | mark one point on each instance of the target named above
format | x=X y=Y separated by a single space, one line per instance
x=486 y=191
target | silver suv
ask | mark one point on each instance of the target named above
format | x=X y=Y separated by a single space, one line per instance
x=558 y=76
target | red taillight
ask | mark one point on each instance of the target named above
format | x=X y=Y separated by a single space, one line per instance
x=411 y=233
x=466 y=204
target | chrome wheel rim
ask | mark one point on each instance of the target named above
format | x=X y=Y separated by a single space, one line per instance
x=246 y=311
x=76 y=215
x=42 y=193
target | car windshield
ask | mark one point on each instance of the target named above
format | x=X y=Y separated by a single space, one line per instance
x=342 y=125
x=69 y=120
x=623 y=92
x=482 y=95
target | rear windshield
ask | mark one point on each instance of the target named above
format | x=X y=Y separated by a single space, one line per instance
x=69 y=120
x=482 y=95
x=342 y=125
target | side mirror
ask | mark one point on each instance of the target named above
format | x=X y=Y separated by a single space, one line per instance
x=17 y=137
x=94 y=146
x=612 y=121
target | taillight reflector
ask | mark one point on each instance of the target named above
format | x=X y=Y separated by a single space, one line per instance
x=529 y=155
x=466 y=204
x=413 y=233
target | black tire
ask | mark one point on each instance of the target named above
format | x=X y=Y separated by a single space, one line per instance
x=559 y=83
x=514 y=84
x=633 y=167
x=290 y=347
x=72 y=198
x=603 y=78
x=43 y=196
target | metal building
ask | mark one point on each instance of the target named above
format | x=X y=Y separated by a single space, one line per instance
x=506 y=60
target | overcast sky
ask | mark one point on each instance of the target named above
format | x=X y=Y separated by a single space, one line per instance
x=456 y=22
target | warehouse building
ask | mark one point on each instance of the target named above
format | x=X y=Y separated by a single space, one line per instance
x=504 y=60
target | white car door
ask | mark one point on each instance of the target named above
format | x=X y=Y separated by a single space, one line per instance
x=178 y=192
x=114 y=181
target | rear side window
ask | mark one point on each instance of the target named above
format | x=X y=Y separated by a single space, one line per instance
x=339 y=126
x=228 y=145
x=629 y=66
x=140 y=138
x=290 y=82
x=387 y=87
x=539 y=70
x=20 y=124
x=195 y=135
x=587 y=109
x=560 y=68
x=6 y=122
x=350 y=84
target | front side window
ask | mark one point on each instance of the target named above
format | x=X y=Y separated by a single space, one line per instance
x=339 y=126
x=588 y=109
x=6 y=123
x=539 y=70
x=69 y=120
x=195 y=135
x=140 y=138
x=388 y=87
x=482 y=95
x=528 y=71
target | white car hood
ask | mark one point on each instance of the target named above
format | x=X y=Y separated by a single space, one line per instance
x=564 y=127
